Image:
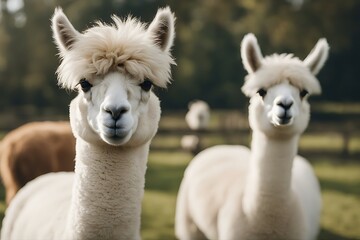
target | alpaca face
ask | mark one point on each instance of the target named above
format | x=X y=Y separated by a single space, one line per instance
x=113 y=105
x=279 y=86
x=113 y=67
x=280 y=109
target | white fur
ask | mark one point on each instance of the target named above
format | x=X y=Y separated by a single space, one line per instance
x=268 y=192
x=102 y=199
x=198 y=116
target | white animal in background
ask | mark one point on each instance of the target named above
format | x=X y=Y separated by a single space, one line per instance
x=114 y=117
x=268 y=192
x=34 y=149
x=198 y=116
x=190 y=143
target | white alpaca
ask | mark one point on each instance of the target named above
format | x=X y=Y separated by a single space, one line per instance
x=198 y=115
x=268 y=192
x=114 y=117
x=197 y=118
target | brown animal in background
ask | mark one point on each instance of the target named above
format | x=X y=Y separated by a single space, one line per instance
x=35 y=149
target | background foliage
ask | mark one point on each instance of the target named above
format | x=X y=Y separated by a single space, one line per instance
x=206 y=48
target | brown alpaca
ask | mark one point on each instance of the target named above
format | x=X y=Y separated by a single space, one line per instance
x=35 y=149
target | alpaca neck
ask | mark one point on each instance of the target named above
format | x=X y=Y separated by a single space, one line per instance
x=108 y=191
x=269 y=181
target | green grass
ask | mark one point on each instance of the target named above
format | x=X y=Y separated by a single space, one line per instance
x=163 y=177
x=340 y=184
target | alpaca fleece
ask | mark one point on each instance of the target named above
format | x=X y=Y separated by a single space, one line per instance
x=268 y=192
x=113 y=120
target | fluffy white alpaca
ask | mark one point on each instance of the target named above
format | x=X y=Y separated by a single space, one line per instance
x=268 y=192
x=114 y=117
x=198 y=115
x=197 y=118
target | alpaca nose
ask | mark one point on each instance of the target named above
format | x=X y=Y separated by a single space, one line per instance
x=116 y=112
x=285 y=103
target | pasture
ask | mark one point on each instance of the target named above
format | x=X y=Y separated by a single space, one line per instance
x=333 y=153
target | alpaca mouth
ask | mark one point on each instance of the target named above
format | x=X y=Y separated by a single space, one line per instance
x=115 y=136
x=282 y=121
x=116 y=133
x=281 y=117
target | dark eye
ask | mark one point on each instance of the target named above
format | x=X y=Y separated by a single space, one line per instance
x=146 y=85
x=85 y=85
x=303 y=93
x=262 y=92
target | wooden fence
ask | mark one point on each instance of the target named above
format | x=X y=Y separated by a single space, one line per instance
x=232 y=128
x=340 y=139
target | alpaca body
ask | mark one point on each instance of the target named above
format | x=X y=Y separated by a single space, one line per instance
x=47 y=187
x=35 y=149
x=268 y=192
x=104 y=175
x=214 y=202
x=197 y=118
x=100 y=220
x=114 y=117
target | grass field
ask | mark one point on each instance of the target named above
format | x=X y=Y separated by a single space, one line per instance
x=339 y=179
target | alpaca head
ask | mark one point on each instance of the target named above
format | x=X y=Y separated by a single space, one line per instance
x=198 y=116
x=113 y=68
x=279 y=86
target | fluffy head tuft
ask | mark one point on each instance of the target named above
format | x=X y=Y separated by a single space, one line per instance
x=277 y=68
x=125 y=46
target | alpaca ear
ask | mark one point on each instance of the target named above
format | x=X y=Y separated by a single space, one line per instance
x=317 y=57
x=162 y=28
x=64 y=33
x=251 y=53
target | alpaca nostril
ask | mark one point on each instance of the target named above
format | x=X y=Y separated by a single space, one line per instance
x=116 y=112
x=285 y=105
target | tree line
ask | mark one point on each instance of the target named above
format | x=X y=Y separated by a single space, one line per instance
x=207 y=45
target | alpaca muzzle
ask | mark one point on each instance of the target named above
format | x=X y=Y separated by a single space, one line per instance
x=282 y=113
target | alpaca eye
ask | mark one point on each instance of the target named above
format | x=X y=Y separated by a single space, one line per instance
x=146 y=85
x=85 y=85
x=303 y=93
x=262 y=92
